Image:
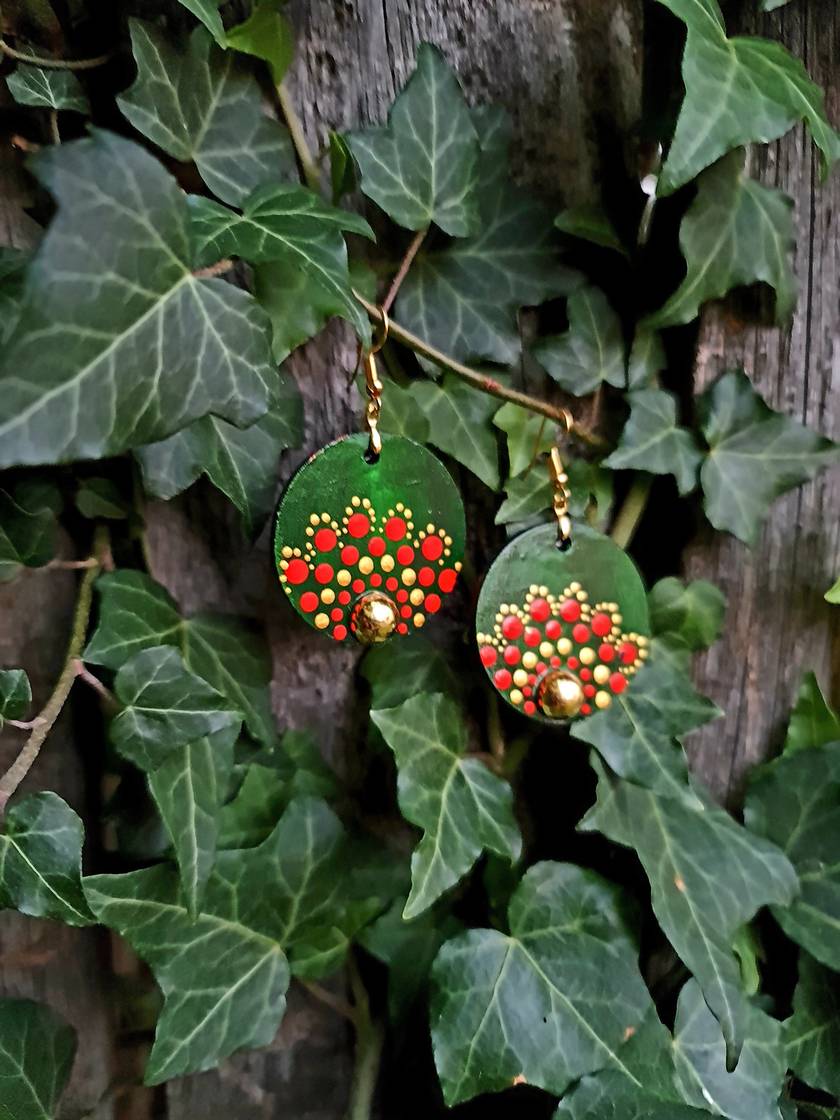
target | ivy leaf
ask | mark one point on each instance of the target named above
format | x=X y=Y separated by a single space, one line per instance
x=528 y=435
x=462 y=808
x=13 y=264
x=525 y=498
x=224 y=975
x=249 y=817
x=692 y=613
x=208 y=12
x=708 y=877
x=795 y=803
x=15 y=694
x=833 y=593
x=164 y=707
x=290 y=225
x=27 y=534
x=591 y=350
x=636 y=735
x=47 y=89
x=403 y=415
x=267 y=34
x=813 y=722
x=647 y=359
x=37 y=1050
x=188 y=788
x=653 y=442
x=812 y=1033
x=735 y=232
x=590 y=223
x=738 y=91
x=398 y=673
x=203 y=106
x=135 y=614
x=422 y=167
x=241 y=462
x=41 y=860
x=459 y=424
x=155 y=350
x=755 y=454
x=101 y=497
x=568 y=969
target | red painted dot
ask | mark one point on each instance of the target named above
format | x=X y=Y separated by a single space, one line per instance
x=553 y=629
x=339 y=633
x=539 y=610
x=432 y=603
x=585 y=675
x=556 y=662
x=580 y=633
x=606 y=652
x=532 y=678
x=349 y=554
x=336 y=614
x=628 y=652
x=585 y=709
x=358 y=525
x=488 y=655
x=375 y=579
x=432 y=548
x=358 y=586
x=395 y=528
x=502 y=679
x=541 y=666
x=618 y=682
x=402 y=628
x=446 y=579
x=405 y=554
x=406 y=611
x=511 y=655
x=297 y=571
x=570 y=610
x=391 y=584
x=325 y=540
x=589 y=690
x=529 y=707
x=601 y=625
x=308 y=601
x=426 y=577
x=527 y=692
x=344 y=597
x=532 y=636
x=376 y=546
x=324 y=573
x=402 y=595
x=512 y=627
x=573 y=663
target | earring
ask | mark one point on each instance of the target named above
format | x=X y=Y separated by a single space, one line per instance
x=562 y=621
x=370 y=531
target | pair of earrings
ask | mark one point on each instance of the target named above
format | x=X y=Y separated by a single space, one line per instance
x=370 y=540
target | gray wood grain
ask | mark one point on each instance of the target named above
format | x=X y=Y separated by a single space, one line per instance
x=778 y=624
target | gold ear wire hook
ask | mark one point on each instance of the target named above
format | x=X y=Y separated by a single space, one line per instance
x=373 y=385
x=560 y=486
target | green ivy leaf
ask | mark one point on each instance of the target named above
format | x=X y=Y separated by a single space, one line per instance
x=241 y=462
x=568 y=969
x=41 y=860
x=155 y=350
x=421 y=167
x=530 y=495
x=591 y=350
x=203 y=106
x=813 y=722
x=795 y=803
x=403 y=416
x=755 y=454
x=249 y=817
x=738 y=91
x=735 y=232
x=164 y=706
x=638 y=735
x=459 y=424
x=188 y=788
x=812 y=1033
x=465 y=297
x=528 y=435
x=590 y=223
x=397 y=673
x=224 y=975
x=266 y=34
x=647 y=359
x=462 y=808
x=833 y=593
x=101 y=498
x=290 y=225
x=772 y=5
x=37 y=1050
x=136 y=614
x=653 y=442
x=15 y=694
x=208 y=12
x=13 y=264
x=47 y=89
x=693 y=613
x=27 y=534
x=525 y=498
x=708 y=877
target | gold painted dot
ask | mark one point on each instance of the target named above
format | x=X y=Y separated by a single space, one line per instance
x=419 y=620
x=447 y=552
x=409 y=577
x=573 y=587
x=533 y=589
x=322 y=621
x=458 y=565
x=366 y=503
x=587 y=656
x=400 y=507
x=601 y=674
x=643 y=654
x=309 y=530
x=504 y=608
x=546 y=649
x=602 y=699
x=365 y=565
x=520 y=678
x=564 y=647
x=617 y=619
x=516 y=696
x=441 y=532
x=581 y=596
x=314 y=518
x=328 y=595
x=543 y=590
x=430 y=528
x=325 y=517
x=387 y=563
x=297 y=552
x=407 y=512
x=529 y=659
x=343 y=577
x=416 y=597
x=286 y=551
x=447 y=541
x=355 y=501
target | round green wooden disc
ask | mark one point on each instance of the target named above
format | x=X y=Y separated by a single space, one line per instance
x=348 y=529
x=578 y=616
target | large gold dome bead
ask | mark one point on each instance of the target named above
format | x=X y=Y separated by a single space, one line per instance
x=559 y=694
x=373 y=619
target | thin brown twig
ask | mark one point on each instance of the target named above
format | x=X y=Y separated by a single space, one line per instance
x=308 y=165
x=336 y=1002
x=217 y=269
x=55 y=63
x=55 y=133
x=108 y=698
x=57 y=565
x=24 y=724
x=405 y=264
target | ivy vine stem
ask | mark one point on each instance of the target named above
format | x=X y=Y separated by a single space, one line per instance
x=47 y=63
x=370 y=1041
x=630 y=514
x=478 y=380
x=308 y=164
x=405 y=264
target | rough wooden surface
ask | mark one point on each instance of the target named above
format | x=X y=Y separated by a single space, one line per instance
x=778 y=624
